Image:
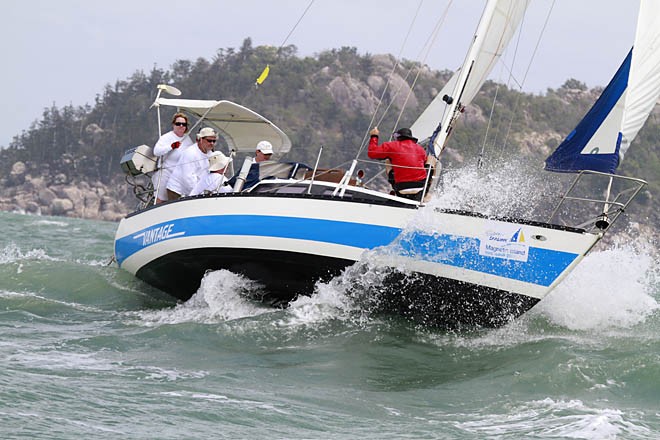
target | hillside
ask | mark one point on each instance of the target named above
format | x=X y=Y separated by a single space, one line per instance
x=67 y=162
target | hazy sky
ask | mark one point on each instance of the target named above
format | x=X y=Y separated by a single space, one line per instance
x=64 y=52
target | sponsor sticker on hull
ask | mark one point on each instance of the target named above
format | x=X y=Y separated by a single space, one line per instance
x=501 y=240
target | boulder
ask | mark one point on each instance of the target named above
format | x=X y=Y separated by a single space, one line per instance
x=22 y=199
x=400 y=93
x=74 y=194
x=110 y=216
x=34 y=183
x=61 y=206
x=376 y=83
x=17 y=173
x=18 y=169
x=32 y=208
x=46 y=196
x=92 y=205
x=352 y=95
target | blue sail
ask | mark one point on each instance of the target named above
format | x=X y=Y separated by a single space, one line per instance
x=570 y=155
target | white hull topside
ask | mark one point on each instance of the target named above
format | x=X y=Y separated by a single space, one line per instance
x=524 y=258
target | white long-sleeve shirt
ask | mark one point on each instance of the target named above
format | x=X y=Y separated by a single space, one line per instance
x=192 y=166
x=212 y=182
x=169 y=158
x=163 y=148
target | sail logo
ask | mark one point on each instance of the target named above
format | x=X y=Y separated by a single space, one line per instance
x=502 y=241
x=154 y=235
x=518 y=236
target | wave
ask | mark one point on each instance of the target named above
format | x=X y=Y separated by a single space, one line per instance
x=12 y=254
x=614 y=288
x=222 y=296
x=557 y=419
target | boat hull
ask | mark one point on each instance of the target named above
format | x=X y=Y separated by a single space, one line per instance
x=451 y=269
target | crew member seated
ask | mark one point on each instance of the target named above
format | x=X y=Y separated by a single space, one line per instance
x=262 y=155
x=407 y=158
x=215 y=180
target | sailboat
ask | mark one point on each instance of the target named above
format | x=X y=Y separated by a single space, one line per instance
x=299 y=224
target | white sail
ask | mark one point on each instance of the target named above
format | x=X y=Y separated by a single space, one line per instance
x=498 y=23
x=644 y=79
x=601 y=139
x=428 y=121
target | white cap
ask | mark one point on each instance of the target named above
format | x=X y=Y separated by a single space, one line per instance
x=206 y=132
x=217 y=161
x=265 y=147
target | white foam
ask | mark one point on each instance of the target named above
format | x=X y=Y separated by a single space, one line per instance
x=221 y=297
x=12 y=253
x=328 y=302
x=347 y=297
x=556 y=419
x=50 y=223
x=616 y=287
x=498 y=189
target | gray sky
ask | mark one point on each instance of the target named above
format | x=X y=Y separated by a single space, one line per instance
x=65 y=52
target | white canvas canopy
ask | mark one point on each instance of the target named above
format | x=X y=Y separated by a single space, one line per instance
x=241 y=127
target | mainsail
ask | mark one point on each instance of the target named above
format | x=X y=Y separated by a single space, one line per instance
x=498 y=23
x=601 y=139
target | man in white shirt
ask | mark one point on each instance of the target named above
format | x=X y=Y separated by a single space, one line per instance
x=192 y=165
x=214 y=181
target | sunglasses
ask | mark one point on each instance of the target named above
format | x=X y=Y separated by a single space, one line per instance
x=181 y=124
x=210 y=141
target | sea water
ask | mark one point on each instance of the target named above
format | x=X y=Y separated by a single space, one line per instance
x=88 y=351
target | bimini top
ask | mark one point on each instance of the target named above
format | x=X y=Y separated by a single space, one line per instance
x=239 y=126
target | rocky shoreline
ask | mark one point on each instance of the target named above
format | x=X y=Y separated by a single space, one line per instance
x=61 y=196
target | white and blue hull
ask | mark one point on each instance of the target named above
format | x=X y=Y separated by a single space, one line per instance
x=467 y=270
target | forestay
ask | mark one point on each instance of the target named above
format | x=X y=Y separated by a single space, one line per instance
x=241 y=127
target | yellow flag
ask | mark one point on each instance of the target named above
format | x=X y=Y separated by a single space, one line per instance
x=263 y=76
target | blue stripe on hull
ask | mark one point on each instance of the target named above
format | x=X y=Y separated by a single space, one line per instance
x=542 y=267
x=327 y=231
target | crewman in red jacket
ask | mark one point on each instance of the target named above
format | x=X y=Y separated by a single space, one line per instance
x=407 y=158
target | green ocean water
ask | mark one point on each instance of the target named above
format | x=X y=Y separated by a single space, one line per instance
x=87 y=351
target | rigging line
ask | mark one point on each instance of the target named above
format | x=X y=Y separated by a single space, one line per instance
x=279 y=49
x=480 y=159
x=295 y=25
x=427 y=47
x=428 y=44
x=508 y=83
x=529 y=65
x=365 y=137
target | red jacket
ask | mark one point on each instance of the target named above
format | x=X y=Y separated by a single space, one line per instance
x=404 y=153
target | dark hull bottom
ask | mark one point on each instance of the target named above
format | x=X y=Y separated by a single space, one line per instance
x=422 y=298
x=284 y=274
x=449 y=304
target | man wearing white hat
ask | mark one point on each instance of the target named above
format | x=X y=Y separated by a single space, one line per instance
x=214 y=181
x=192 y=166
x=262 y=154
x=264 y=151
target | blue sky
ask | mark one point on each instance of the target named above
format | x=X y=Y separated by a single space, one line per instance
x=65 y=52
